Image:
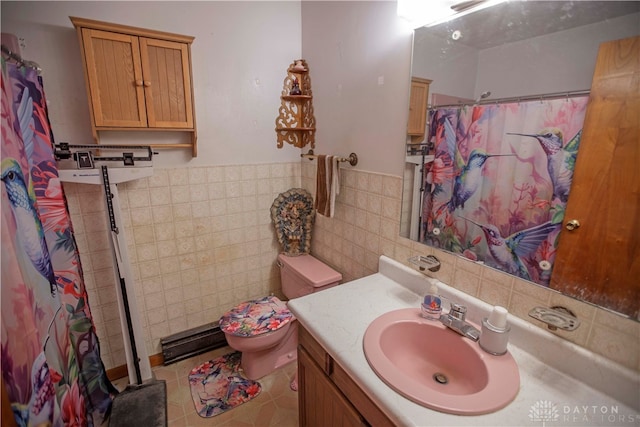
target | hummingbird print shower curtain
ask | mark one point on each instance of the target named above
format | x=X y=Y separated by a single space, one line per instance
x=51 y=366
x=497 y=188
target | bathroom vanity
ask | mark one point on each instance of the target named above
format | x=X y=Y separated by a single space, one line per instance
x=559 y=381
x=327 y=394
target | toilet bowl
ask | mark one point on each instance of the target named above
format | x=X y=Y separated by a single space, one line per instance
x=264 y=330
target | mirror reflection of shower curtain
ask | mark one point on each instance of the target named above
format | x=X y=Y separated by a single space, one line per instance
x=51 y=363
x=497 y=188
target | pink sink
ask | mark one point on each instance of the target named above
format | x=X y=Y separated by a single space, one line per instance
x=437 y=368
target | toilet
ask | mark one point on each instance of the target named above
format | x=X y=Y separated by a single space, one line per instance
x=264 y=330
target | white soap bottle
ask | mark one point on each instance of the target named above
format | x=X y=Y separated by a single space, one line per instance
x=431 y=306
x=495 y=332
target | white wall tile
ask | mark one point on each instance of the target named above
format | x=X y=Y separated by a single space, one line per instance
x=192 y=256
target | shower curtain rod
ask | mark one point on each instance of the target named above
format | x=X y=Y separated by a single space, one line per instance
x=19 y=60
x=541 y=97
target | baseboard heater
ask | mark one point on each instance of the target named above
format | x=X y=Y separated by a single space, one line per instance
x=191 y=342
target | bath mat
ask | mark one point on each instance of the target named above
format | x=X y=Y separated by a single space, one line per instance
x=217 y=386
x=141 y=405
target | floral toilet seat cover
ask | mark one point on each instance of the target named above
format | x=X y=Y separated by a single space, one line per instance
x=256 y=317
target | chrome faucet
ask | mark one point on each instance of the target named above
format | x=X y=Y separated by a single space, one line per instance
x=455 y=320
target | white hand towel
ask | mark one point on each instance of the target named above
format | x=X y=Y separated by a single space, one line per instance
x=335 y=184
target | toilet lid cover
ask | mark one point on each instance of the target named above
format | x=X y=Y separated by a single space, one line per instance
x=256 y=317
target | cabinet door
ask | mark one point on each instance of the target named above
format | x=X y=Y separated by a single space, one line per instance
x=167 y=83
x=321 y=403
x=418 y=106
x=114 y=75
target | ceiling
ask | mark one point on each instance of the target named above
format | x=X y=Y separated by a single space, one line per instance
x=518 y=20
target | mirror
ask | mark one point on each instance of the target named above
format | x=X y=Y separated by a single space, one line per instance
x=510 y=52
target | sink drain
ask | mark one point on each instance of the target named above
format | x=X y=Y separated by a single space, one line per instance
x=440 y=378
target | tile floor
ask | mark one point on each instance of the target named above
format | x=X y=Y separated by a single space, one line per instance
x=277 y=404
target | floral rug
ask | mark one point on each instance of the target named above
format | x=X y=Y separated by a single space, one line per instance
x=216 y=386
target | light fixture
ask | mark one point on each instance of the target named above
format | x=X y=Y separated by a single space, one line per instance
x=433 y=12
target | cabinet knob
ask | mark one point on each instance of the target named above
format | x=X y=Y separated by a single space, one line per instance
x=138 y=82
x=147 y=83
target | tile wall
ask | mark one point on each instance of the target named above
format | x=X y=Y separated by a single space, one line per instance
x=201 y=241
x=366 y=224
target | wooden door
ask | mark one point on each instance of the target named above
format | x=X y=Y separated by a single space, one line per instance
x=320 y=402
x=114 y=75
x=600 y=261
x=418 y=106
x=167 y=82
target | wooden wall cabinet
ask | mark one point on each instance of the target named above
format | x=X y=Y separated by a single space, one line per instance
x=137 y=79
x=295 y=123
x=418 y=106
x=327 y=396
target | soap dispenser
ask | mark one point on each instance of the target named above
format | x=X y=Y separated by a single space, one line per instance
x=495 y=332
x=432 y=304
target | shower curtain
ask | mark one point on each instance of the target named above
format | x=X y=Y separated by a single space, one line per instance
x=51 y=364
x=497 y=188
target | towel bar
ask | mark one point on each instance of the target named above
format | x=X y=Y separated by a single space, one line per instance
x=352 y=159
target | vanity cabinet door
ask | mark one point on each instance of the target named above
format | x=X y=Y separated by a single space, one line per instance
x=314 y=362
x=321 y=403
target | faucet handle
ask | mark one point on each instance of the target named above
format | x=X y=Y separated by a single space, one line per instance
x=458 y=311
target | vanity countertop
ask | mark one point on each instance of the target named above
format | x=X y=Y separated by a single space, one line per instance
x=560 y=383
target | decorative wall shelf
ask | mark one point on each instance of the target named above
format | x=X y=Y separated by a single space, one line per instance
x=295 y=123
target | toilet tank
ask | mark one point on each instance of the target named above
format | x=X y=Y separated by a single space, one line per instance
x=304 y=274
